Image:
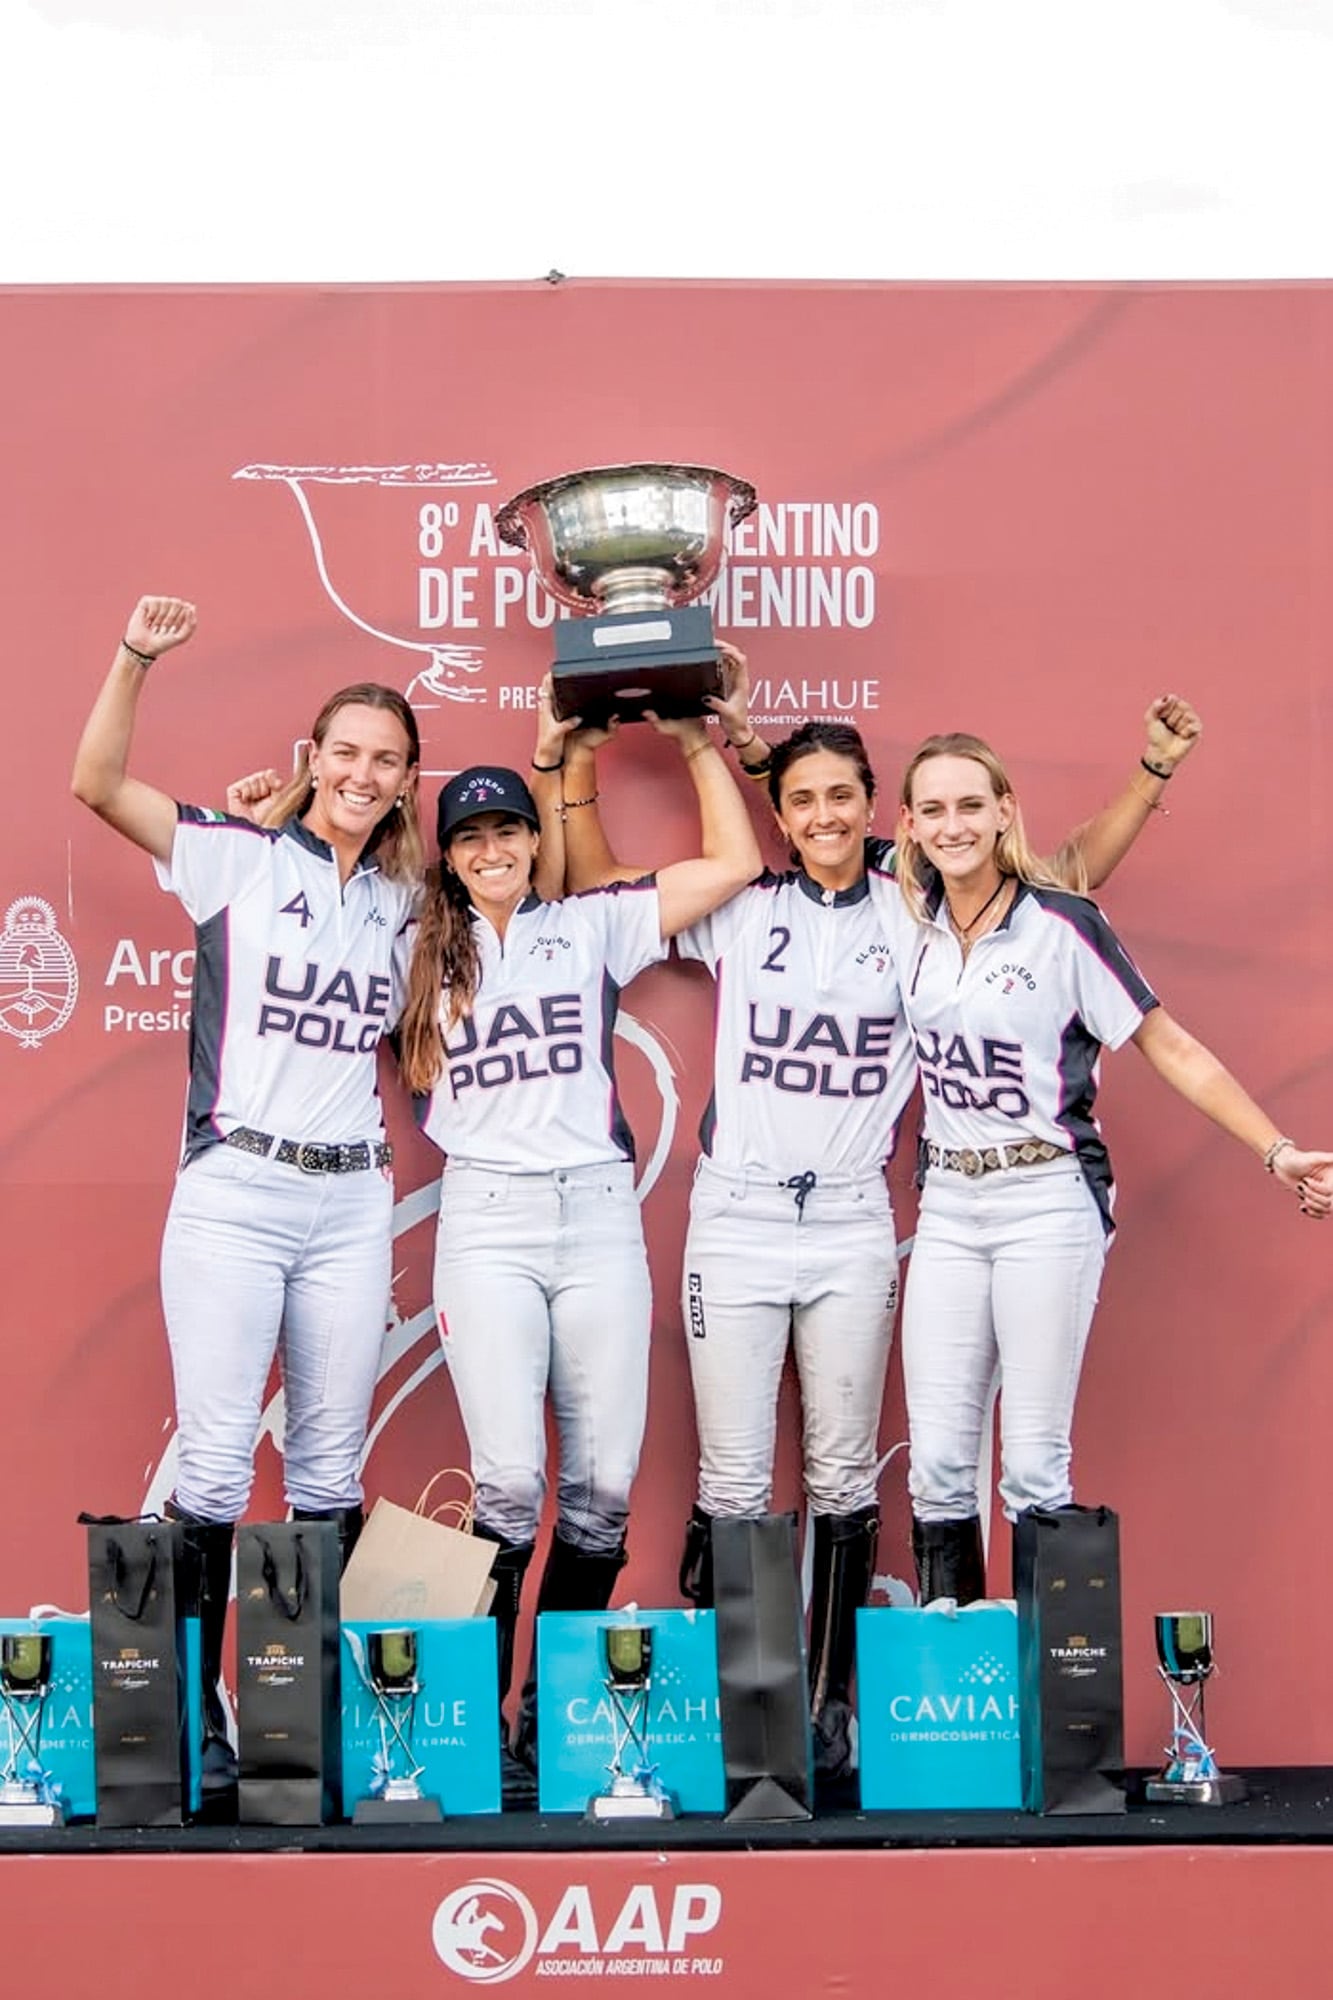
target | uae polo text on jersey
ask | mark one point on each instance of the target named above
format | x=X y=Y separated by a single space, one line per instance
x=1008 y=1041
x=813 y=1061
x=297 y=978
x=529 y=1084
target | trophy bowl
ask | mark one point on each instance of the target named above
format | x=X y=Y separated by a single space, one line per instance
x=621 y=538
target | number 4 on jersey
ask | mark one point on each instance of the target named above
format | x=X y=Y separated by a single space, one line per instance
x=298 y=907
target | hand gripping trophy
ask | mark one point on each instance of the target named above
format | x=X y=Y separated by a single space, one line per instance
x=1185 y=1660
x=26 y=1794
x=629 y=547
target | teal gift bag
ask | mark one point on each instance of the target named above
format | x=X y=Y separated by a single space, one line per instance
x=574 y=1719
x=455 y=1736
x=66 y=1761
x=937 y=1700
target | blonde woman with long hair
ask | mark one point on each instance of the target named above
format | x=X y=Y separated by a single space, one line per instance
x=278 y=1237
x=1012 y=986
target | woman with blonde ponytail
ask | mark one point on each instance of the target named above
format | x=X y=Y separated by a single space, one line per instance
x=1012 y=985
x=280 y=1223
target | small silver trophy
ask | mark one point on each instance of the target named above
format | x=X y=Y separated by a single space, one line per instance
x=629 y=547
x=25 y=1682
x=635 y=1791
x=1184 y=1661
x=390 y=1672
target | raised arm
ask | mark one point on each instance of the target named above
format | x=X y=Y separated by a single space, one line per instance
x=101 y=779
x=1206 y=1083
x=547 y=774
x=1101 y=844
x=730 y=855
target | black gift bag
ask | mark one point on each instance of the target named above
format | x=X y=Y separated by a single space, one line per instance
x=141 y=1732
x=1070 y=1667
x=288 y=1696
x=761 y=1664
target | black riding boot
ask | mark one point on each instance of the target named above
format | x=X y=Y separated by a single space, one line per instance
x=573 y=1580
x=696 y=1561
x=950 y=1561
x=207 y=1584
x=507 y=1573
x=349 y=1521
x=844 y=1569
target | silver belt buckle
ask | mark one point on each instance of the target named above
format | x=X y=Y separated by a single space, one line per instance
x=316 y=1163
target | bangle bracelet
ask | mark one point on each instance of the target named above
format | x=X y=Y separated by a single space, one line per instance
x=1270 y=1157
x=145 y=659
x=535 y=766
x=732 y=744
x=759 y=772
x=569 y=805
x=1155 y=770
x=697 y=751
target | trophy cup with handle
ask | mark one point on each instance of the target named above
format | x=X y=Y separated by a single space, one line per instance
x=629 y=548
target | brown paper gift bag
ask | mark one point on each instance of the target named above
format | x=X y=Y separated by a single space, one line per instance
x=410 y=1564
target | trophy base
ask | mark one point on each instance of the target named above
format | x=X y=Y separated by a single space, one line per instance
x=630 y=1805
x=30 y=1812
x=397 y=1812
x=1219 y=1791
x=624 y=663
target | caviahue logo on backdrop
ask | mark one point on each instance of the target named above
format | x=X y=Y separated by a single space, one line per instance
x=487 y=1931
x=39 y=979
x=793 y=565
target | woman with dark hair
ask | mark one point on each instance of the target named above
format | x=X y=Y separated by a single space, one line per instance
x=541 y=1276
x=278 y=1237
x=791 y=1235
x=1012 y=987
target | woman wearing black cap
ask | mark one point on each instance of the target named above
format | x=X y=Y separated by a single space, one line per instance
x=541 y=1275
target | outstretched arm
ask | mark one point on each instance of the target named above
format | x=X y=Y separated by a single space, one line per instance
x=1102 y=843
x=101 y=777
x=1196 y=1073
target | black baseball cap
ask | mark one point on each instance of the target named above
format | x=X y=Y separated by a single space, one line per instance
x=483 y=788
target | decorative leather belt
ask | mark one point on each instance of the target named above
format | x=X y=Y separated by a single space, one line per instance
x=972 y=1160
x=352 y=1157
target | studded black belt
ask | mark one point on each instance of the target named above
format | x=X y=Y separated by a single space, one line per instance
x=356 y=1156
x=972 y=1160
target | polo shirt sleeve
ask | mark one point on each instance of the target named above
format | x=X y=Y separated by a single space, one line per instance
x=213 y=860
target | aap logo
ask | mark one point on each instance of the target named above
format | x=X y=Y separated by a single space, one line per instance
x=486 y=1931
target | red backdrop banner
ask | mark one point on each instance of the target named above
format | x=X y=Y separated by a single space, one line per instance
x=1020 y=510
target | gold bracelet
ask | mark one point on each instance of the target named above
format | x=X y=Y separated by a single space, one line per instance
x=1151 y=804
x=758 y=773
x=698 y=750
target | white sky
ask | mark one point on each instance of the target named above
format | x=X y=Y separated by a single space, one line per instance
x=447 y=139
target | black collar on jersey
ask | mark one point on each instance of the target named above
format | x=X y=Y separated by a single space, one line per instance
x=936 y=910
x=532 y=901
x=835 y=899
x=298 y=831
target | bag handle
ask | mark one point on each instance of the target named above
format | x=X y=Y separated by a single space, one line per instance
x=291 y=1602
x=463 y=1511
x=120 y=1570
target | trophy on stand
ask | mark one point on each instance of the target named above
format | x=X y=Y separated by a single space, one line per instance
x=390 y=1672
x=635 y=1791
x=1185 y=1660
x=25 y=1682
x=629 y=547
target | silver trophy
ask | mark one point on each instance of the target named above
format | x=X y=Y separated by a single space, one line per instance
x=1184 y=1661
x=635 y=1791
x=630 y=547
x=390 y=1672
x=25 y=1683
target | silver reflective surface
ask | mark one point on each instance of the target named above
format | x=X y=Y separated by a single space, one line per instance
x=627 y=537
x=1185 y=1644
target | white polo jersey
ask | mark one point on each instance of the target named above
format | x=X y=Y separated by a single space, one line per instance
x=529 y=1083
x=1009 y=1042
x=297 y=978
x=813 y=1060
